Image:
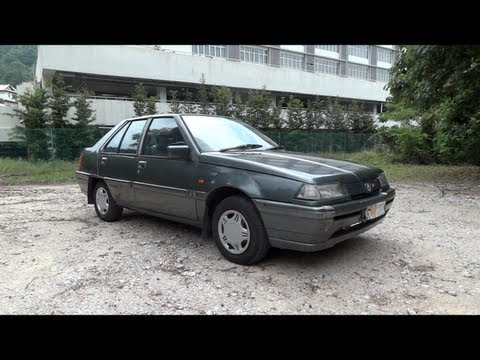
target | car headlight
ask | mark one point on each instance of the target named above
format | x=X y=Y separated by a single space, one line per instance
x=383 y=180
x=319 y=192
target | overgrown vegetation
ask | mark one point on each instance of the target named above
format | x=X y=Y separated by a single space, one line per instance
x=435 y=91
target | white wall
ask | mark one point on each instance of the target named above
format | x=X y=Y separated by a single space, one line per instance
x=299 y=48
x=384 y=65
x=7 y=122
x=143 y=62
x=6 y=95
x=179 y=48
x=331 y=54
x=357 y=59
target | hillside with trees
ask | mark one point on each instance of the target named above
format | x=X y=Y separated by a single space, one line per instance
x=16 y=63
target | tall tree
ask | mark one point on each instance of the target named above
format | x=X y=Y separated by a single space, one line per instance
x=222 y=100
x=59 y=102
x=335 y=116
x=238 y=108
x=175 y=106
x=204 y=106
x=84 y=114
x=358 y=119
x=83 y=135
x=257 y=108
x=275 y=114
x=314 y=114
x=296 y=114
x=33 y=115
x=151 y=105
x=189 y=107
x=33 y=109
x=140 y=100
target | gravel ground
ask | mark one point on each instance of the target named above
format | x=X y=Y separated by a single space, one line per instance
x=57 y=257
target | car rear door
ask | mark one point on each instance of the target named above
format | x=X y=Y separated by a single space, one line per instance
x=162 y=184
x=117 y=161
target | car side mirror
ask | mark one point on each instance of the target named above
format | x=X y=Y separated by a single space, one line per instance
x=179 y=152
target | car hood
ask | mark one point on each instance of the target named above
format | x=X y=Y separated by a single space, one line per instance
x=297 y=166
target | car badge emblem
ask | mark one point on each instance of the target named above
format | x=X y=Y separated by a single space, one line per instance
x=369 y=186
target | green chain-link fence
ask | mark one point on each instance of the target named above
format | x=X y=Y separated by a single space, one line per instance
x=52 y=145
x=47 y=144
x=323 y=141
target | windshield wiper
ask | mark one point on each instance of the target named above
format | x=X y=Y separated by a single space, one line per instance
x=278 y=147
x=242 y=147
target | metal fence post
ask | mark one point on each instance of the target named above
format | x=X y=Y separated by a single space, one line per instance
x=53 y=149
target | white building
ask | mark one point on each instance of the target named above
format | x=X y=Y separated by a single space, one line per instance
x=7 y=94
x=349 y=72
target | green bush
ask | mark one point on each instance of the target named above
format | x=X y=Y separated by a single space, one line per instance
x=407 y=144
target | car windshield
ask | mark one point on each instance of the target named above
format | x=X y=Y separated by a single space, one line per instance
x=215 y=133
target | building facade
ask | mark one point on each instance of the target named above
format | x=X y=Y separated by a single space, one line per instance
x=7 y=95
x=350 y=72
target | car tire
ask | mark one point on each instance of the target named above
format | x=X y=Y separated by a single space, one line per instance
x=239 y=232
x=105 y=205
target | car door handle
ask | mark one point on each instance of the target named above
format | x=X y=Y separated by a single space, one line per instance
x=142 y=164
x=103 y=160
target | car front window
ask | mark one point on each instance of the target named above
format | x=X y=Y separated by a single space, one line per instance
x=213 y=133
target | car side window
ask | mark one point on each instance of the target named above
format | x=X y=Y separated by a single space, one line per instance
x=162 y=133
x=112 y=145
x=132 y=137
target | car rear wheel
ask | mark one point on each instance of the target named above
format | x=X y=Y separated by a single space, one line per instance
x=105 y=206
x=239 y=232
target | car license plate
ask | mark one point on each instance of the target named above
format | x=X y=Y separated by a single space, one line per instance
x=375 y=210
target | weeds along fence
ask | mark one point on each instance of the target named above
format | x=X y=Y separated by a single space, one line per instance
x=66 y=144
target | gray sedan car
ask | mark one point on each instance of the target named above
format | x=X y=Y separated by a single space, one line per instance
x=228 y=178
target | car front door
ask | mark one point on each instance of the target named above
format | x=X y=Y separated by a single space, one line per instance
x=163 y=185
x=117 y=163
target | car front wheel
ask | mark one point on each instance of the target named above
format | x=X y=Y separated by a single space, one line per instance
x=105 y=206
x=239 y=232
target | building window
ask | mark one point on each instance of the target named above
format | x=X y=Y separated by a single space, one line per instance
x=360 y=51
x=210 y=50
x=332 y=48
x=384 y=55
x=291 y=60
x=326 y=66
x=383 y=75
x=253 y=54
x=357 y=71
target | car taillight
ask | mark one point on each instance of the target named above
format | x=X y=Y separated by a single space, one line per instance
x=80 y=162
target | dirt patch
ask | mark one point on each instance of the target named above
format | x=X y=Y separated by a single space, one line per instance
x=57 y=257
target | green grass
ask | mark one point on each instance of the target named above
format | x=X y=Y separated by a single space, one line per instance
x=14 y=172
x=411 y=172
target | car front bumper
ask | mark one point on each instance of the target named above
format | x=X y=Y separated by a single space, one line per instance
x=306 y=228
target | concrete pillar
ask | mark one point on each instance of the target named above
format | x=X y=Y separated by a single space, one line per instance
x=273 y=100
x=162 y=93
x=274 y=57
x=233 y=52
x=372 y=75
x=343 y=54
x=373 y=55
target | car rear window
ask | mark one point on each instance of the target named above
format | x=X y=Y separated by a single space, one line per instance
x=132 y=137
